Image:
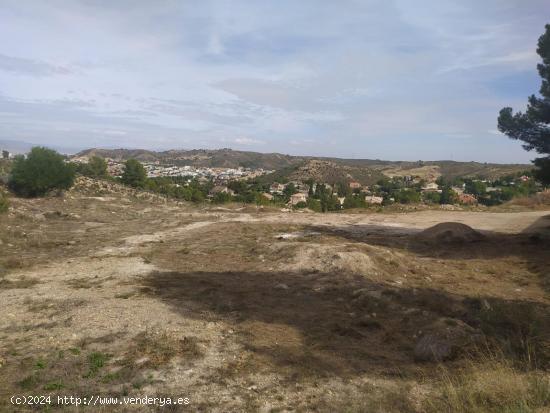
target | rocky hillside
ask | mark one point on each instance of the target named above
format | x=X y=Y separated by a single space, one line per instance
x=332 y=172
x=224 y=158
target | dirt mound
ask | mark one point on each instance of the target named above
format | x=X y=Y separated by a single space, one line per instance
x=449 y=232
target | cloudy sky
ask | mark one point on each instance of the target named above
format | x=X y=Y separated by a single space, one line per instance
x=390 y=79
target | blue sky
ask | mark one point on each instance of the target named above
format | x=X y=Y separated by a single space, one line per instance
x=392 y=79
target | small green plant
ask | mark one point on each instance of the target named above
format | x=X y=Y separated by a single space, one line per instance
x=29 y=382
x=40 y=365
x=96 y=361
x=75 y=351
x=54 y=385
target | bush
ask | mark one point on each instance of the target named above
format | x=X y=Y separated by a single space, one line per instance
x=42 y=171
x=4 y=203
x=221 y=198
x=134 y=174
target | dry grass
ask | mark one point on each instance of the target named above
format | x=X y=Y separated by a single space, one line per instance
x=52 y=307
x=156 y=348
x=22 y=282
x=491 y=387
x=539 y=200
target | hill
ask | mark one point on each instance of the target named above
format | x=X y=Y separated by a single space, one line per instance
x=221 y=158
x=333 y=172
x=303 y=167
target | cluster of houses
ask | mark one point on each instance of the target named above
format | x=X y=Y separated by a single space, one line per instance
x=218 y=175
x=155 y=170
x=303 y=191
x=371 y=196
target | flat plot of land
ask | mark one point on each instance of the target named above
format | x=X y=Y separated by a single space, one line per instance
x=256 y=311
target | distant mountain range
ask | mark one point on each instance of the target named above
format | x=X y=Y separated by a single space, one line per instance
x=366 y=171
x=19 y=147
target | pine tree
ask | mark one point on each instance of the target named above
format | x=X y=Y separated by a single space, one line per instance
x=533 y=126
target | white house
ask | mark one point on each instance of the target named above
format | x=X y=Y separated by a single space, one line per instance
x=297 y=198
x=371 y=199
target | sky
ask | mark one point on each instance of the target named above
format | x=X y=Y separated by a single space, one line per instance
x=391 y=79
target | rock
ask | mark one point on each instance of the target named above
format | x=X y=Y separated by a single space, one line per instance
x=444 y=339
x=365 y=292
x=281 y=286
x=141 y=361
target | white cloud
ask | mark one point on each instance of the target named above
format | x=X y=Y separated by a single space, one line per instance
x=275 y=74
x=248 y=141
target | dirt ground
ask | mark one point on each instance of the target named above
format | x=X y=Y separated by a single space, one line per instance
x=118 y=293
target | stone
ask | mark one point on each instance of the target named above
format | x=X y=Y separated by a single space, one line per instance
x=444 y=339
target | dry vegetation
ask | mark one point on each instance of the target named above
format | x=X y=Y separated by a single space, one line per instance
x=114 y=292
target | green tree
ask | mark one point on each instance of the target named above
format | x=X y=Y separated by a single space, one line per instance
x=314 y=204
x=134 y=174
x=239 y=187
x=42 y=171
x=343 y=189
x=476 y=188
x=95 y=168
x=98 y=167
x=5 y=154
x=309 y=182
x=290 y=189
x=533 y=126
x=354 y=201
x=406 y=196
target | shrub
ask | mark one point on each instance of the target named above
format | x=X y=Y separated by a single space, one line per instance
x=314 y=204
x=42 y=171
x=221 y=198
